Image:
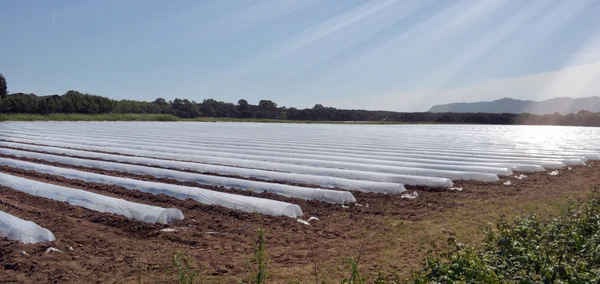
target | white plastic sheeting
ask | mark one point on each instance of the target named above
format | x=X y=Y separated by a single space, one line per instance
x=93 y=201
x=261 y=154
x=215 y=161
x=364 y=186
x=307 y=193
x=27 y=232
x=238 y=159
x=346 y=149
x=323 y=151
x=426 y=139
x=397 y=150
x=475 y=138
x=204 y=196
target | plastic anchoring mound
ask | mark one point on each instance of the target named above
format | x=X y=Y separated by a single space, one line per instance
x=507 y=182
x=410 y=195
x=27 y=232
x=51 y=249
x=553 y=173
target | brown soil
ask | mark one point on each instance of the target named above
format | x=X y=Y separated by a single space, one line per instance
x=396 y=232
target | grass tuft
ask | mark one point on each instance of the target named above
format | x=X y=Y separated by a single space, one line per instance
x=260 y=258
x=185 y=273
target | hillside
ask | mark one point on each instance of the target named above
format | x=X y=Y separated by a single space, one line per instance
x=507 y=105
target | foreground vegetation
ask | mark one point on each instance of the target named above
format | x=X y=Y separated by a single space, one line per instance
x=528 y=249
x=564 y=249
x=73 y=103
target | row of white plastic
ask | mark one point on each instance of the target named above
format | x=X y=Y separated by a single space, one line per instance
x=480 y=136
x=92 y=201
x=413 y=155
x=410 y=159
x=307 y=193
x=17 y=229
x=240 y=160
x=253 y=146
x=482 y=140
x=263 y=170
x=263 y=154
x=204 y=196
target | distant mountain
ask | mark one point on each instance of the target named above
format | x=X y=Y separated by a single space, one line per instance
x=507 y=105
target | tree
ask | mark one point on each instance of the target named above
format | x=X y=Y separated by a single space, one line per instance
x=3 y=87
x=243 y=104
x=267 y=109
x=244 y=108
x=267 y=105
x=161 y=102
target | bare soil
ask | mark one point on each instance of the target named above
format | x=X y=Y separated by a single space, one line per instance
x=394 y=233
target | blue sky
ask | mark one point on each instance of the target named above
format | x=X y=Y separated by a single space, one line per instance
x=397 y=55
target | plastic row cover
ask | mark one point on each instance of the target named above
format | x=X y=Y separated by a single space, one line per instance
x=295 y=149
x=93 y=201
x=237 y=159
x=27 y=232
x=368 y=151
x=211 y=167
x=326 y=195
x=261 y=141
x=539 y=139
x=262 y=153
x=204 y=196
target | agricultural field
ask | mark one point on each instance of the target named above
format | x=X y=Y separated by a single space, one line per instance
x=121 y=199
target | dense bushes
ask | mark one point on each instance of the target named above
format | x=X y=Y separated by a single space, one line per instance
x=71 y=102
x=565 y=249
x=74 y=102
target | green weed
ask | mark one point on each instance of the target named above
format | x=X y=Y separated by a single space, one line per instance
x=185 y=273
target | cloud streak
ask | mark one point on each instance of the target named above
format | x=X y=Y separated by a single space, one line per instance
x=584 y=54
x=578 y=81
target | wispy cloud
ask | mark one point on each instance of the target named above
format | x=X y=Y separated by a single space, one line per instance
x=577 y=81
x=235 y=23
x=321 y=31
x=584 y=54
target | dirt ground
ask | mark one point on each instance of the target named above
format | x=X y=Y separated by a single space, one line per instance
x=394 y=233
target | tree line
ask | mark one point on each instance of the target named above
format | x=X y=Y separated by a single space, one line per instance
x=79 y=103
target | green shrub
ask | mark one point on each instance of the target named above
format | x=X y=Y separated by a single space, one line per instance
x=565 y=249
